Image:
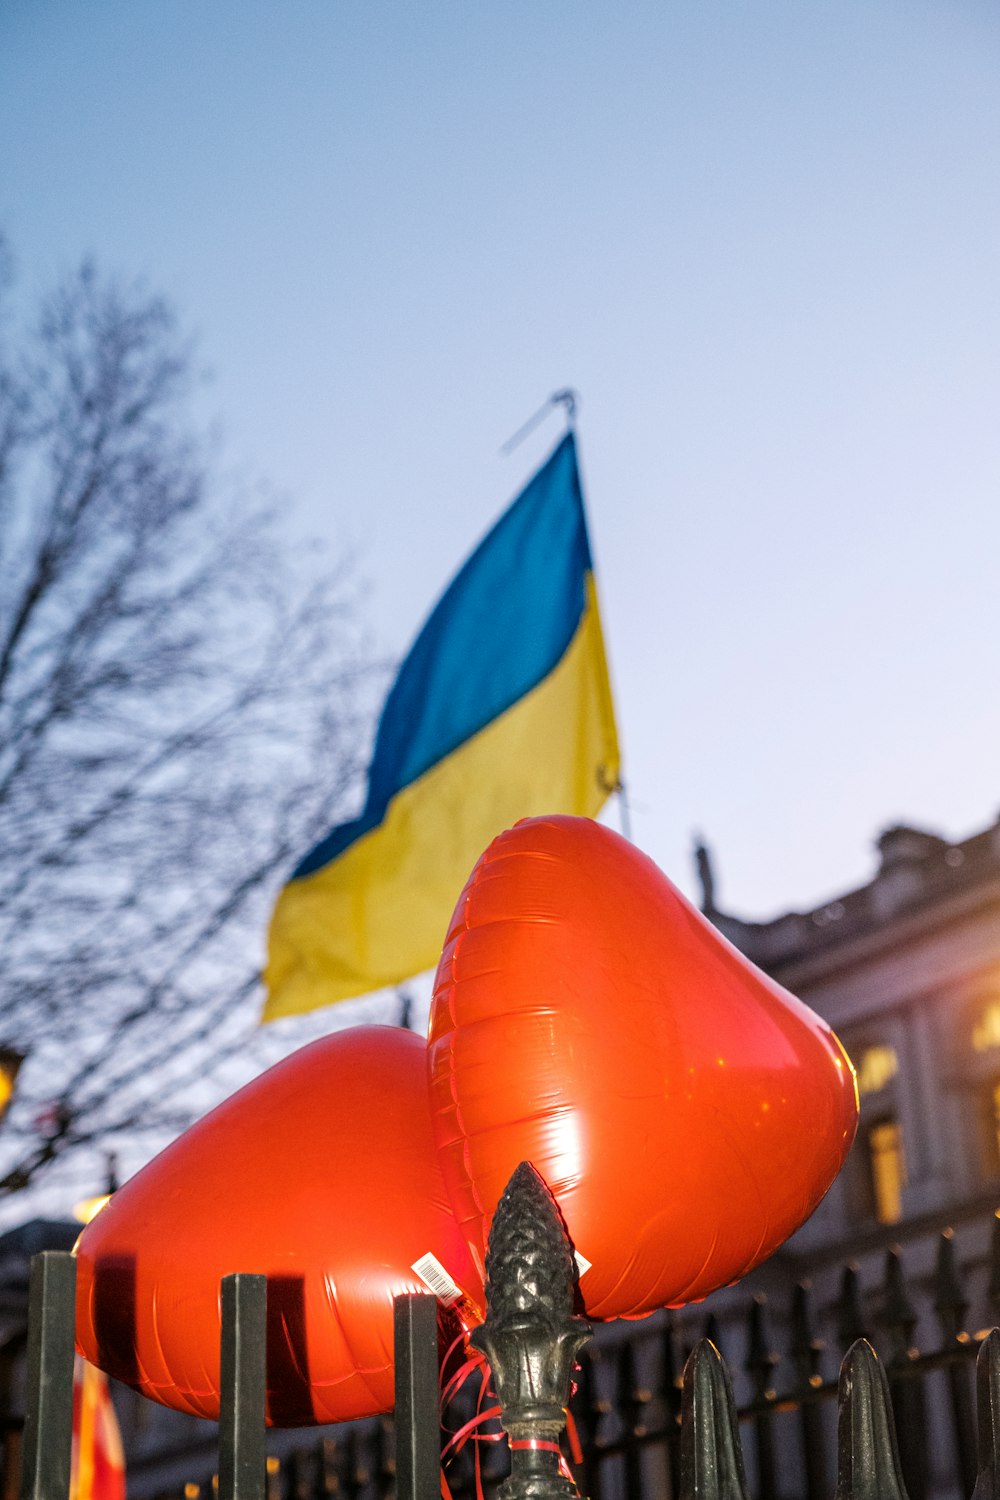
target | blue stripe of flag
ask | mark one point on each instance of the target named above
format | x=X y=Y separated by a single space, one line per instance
x=501 y=626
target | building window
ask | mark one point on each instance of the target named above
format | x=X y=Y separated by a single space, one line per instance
x=888 y=1169
x=986 y=1032
x=878 y=1066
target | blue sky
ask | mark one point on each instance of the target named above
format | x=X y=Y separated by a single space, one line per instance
x=760 y=238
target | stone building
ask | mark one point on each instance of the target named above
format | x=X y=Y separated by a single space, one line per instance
x=907 y=972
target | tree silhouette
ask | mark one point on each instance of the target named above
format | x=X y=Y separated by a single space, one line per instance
x=179 y=716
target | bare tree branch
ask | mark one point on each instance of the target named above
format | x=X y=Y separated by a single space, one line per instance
x=180 y=713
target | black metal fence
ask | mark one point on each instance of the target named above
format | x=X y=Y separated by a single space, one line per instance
x=786 y=1376
x=905 y=1424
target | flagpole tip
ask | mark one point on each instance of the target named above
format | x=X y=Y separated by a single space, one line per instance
x=569 y=399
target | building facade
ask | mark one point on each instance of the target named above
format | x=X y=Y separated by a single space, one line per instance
x=907 y=972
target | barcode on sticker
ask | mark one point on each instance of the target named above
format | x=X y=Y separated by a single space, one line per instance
x=583 y=1265
x=436 y=1279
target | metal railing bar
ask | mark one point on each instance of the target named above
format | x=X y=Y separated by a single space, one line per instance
x=417 y=1419
x=48 y=1428
x=243 y=1387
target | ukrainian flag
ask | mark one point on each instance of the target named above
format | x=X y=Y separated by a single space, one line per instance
x=502 y=710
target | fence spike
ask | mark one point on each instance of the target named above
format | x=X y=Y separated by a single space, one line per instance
x=760 y=1363
x=632 y=1397
x=671 y=1391
x=806 y=1352
x=994 y=1291
x=907 y=1393
x=950 y=1305
x=988 y=1411
x=898 y=1313
x=851 y=1322
x=867 y=1456
x=711 y=1456
x=671 y=1370
x=630 y=1403
x=760 y=1360
x=804 y=1348
x=950 y=1301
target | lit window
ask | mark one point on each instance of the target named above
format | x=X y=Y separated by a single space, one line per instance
x=878 y=1065
x=986 y=1032
x=888 y=1168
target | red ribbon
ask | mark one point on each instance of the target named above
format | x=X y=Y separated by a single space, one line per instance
x=473 y=1362
x=573 y=1434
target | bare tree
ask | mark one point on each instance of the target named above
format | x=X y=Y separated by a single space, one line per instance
x=178 y=716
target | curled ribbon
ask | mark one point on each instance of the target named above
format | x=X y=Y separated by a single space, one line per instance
x=475 y=1362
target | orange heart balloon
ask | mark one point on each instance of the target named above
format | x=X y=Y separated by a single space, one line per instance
x=321 y=1174
x=687 y=1113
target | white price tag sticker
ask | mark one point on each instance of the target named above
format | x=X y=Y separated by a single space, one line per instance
x=436 y=1279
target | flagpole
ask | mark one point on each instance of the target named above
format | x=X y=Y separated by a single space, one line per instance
x=567 y=398
x=624 y=811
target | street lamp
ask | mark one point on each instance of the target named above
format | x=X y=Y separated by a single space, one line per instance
x=89 y=1208
x=10 y=1063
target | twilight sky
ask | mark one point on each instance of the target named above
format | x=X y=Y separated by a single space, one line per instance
x=761 y=239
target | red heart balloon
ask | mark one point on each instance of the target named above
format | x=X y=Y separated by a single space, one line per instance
x=687 y=1113
x=321 y=1174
